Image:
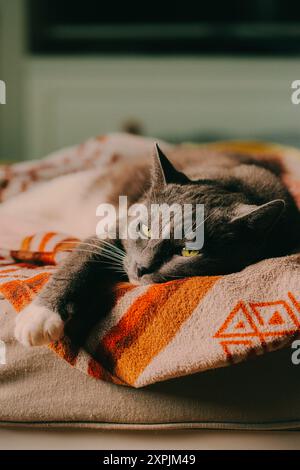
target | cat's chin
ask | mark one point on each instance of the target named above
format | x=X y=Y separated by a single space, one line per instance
x=147 y=279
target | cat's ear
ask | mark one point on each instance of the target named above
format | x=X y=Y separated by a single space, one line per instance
x=163 y=172
x=259 y=217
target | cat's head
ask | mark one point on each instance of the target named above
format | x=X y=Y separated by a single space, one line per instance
x=234 y=229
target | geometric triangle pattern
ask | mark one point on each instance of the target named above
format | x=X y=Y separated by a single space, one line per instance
x=274 y=318
x=255 y=325
x=239 y=323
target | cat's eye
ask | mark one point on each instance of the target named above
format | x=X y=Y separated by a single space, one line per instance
x=146 y=230
x=189 y=253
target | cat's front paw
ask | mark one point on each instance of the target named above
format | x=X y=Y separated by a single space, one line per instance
x=37 y=325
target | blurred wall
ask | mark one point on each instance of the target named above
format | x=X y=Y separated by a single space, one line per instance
x=69 y=99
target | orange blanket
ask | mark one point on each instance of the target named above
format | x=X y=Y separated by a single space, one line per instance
x=181 y=327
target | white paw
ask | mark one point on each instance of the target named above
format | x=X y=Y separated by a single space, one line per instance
x=37 y=325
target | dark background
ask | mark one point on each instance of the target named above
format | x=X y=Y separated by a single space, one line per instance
x=231 y=26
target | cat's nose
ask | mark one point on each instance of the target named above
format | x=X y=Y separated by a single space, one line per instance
x=141 y=270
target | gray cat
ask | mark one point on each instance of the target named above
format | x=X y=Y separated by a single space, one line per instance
x=249 y=216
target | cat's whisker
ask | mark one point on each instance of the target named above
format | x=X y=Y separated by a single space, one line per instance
x=113 y=246
x=116 y=268
x=76 y=250
x=107 y=250
x=120 y=254
x=119 y=262
x=104 y=250
x=111 y=256
x=109 y=245
x=101 y=252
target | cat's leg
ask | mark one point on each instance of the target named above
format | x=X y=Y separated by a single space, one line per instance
x=75 y=291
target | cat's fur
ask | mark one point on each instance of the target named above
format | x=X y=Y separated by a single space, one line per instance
x=250 y=216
